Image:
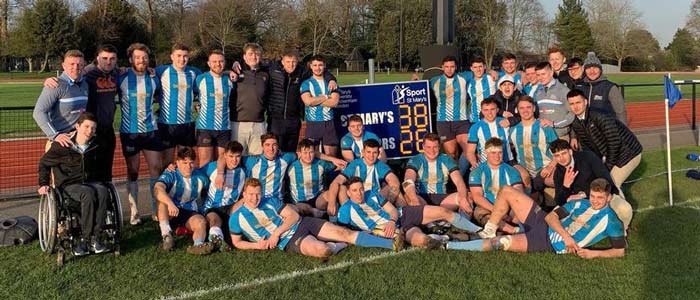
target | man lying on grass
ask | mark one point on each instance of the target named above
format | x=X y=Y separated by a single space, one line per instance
x=369 y=211
x=570 y=228
x=267 y=223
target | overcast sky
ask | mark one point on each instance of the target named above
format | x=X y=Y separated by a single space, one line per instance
x=662 y=17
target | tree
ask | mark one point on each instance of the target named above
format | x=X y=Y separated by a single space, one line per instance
x=645 y=48
x=44 y=30
x=520 y=27
x=572 y=29
x=682 y=50
x=225 y=24
x=693 y=19
x=612 y=21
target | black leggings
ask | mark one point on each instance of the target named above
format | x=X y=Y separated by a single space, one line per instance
x=93 y=198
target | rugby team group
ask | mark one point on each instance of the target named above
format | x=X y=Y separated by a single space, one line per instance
x=527 y=160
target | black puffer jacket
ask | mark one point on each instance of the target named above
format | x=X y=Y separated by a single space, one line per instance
x=69 y=165
x=284 y=101
x=607 y=137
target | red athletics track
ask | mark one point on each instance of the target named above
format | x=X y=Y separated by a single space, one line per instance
x=19 y=158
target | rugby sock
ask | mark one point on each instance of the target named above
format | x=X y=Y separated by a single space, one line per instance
x=151 y=184
x=475 y=245
x=462 y=222
x=336 y=247
x=198 y=242
x=463 y=165
x=165 y=228
x=367 y=240
x=133 y=191
x=216 y=231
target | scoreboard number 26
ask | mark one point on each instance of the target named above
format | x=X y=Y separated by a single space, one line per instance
x=414 y=126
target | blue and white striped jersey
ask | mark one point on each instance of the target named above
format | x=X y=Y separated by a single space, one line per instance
x=186 y=193
x=270 y=172
x=532 y=145
x=367 y=216
x=214 y=94
x=306 y=181
x=350 y=143
x=177 y=94
x=136 y=94
x=491 y=180
x=372 y=176
x=260 y=222
x=233 y=186
x=452 y=97
x=432 y=176
x=316 y=87
x=588 y=226
x=480 y=89
x=482 y=131
x=531 y=90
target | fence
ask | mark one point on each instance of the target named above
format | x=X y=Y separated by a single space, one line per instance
x=21 y=146
x=22 y=142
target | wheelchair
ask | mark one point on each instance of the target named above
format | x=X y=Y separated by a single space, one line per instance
x=59 y=223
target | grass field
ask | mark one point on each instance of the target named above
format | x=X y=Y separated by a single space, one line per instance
x=662 y=262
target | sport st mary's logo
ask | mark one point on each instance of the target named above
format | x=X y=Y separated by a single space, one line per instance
x=400 y=93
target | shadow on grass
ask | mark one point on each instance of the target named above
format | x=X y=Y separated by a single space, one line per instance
x=669 y=239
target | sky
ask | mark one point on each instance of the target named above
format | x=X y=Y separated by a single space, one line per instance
x=662 y=17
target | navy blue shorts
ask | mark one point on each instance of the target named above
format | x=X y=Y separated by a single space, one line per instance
x=307 y=226
x=448 y=130
x=322 y=132
x=224 y=212
x=312 y=202
x=433 y=199
x=133 y=143
x=183 y=216
x=172 y=135
x=536 y=230
x=411 y=216
x=213 y=138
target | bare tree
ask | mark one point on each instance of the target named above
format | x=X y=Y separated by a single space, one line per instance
x=522 y=17
x=319 y=18
x=693 y=19
x=491 y=26
x=220 y=22
x=612 y=21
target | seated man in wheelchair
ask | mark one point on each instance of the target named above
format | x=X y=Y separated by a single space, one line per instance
x=74 y=171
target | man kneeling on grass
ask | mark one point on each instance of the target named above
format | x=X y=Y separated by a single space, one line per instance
x=369 y=211
x=570 y=228
x=178 y=193
x=267 y=223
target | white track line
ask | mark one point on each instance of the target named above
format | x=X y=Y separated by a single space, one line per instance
x=679 y=204
x=281 y=277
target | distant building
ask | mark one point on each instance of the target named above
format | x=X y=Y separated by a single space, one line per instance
x=355 y=62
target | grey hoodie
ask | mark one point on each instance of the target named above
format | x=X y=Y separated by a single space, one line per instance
x=553 y=106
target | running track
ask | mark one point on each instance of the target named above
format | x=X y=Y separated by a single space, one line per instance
x=19 y=158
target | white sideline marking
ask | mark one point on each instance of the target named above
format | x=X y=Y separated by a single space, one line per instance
x=692 y=200
x=285 y=276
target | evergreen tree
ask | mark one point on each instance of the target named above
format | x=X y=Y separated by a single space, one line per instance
x=572 y=29
x=683 y=50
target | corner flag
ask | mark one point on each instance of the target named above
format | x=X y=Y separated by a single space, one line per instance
x=671 y=91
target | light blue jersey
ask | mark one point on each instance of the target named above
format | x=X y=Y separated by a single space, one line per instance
x=479 y=89
x=177 y=94
x=233 y=186
x=350 y=143
x=186 y=193
x=532 y=145
x=432 y=176
x=531 y=90
x=270 y=172
x=517 y=77
x=306 y=181
x=482 y=131
x=214 y=92
x=367 y=216
x=259 y=223
x=316 y=87
x=372 y=177
x=491 y=180
x=588 y=226
x=452 y=97
x=136 y=94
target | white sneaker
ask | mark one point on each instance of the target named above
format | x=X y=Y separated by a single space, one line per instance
x=486 y=234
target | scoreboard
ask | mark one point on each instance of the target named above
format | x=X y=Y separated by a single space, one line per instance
x=397 y=112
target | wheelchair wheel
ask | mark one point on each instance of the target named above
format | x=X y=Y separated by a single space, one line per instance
x=117 y=204
x=48 y=218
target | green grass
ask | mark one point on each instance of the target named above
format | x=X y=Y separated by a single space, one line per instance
x=662 y=262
